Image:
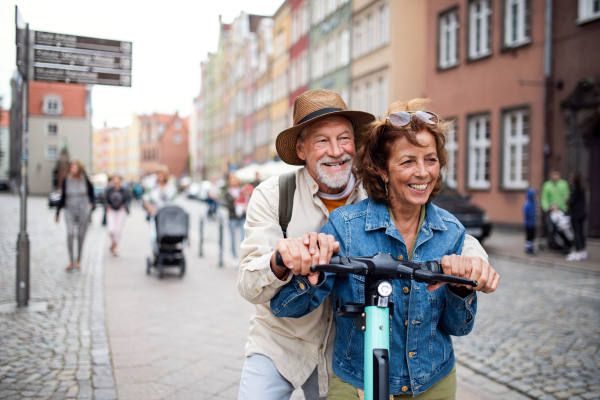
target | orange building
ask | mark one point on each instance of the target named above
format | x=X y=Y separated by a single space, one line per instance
x=164 y=140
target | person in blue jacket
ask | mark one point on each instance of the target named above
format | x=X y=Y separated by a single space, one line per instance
x=529 y=214
x=400 y=165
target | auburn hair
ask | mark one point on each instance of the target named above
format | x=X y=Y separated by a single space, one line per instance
x=378 y=141
x=80 y=167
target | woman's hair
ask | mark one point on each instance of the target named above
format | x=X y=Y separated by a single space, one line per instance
x=379 y=139
x=80 y=167
x=577 y=181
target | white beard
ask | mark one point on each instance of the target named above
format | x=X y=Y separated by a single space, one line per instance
x=335 y=180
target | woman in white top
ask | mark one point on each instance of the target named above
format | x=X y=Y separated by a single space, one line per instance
x=162 y=193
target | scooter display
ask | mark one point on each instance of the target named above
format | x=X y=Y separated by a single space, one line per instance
x=373 y=316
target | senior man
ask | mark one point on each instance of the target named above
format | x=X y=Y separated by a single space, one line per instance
x=283 y=354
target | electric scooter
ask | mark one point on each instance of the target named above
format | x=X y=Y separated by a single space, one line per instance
x=373 y=316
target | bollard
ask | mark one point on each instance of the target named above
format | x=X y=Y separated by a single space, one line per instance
x=201 y=236
x=220 y=241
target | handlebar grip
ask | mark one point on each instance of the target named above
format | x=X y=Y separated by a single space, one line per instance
x=279 y=260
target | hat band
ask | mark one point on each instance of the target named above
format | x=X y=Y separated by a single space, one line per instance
x=318 y=113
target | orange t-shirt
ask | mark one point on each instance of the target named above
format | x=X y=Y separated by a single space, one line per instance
x=333 y=204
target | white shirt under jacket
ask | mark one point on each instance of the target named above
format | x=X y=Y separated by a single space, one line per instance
x=296 y=346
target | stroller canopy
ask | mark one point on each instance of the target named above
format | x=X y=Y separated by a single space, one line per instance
x=171 y=223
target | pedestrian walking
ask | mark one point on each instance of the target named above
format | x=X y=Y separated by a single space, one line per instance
x=116 y=203
x=235 y=202
x=287 y=354
x=78 y=201
x=212 y=199
x=529 y=214
x=578 y=214
x=159 y=195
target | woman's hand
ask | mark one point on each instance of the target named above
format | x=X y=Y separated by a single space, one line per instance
x=91 y=206
x=56 y=219
x=299 y=254
x=473 y=268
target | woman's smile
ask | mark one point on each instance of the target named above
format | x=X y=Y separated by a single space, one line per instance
x=419 y=188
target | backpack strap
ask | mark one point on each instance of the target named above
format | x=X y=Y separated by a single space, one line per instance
x=287 y=188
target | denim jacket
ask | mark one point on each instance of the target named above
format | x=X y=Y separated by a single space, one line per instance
x=421 y=351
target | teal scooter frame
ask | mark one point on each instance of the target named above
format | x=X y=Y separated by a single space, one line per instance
x=373 y=316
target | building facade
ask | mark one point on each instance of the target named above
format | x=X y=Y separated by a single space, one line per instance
x=299 y=61
x=479 y=63
x=4 y=149
x=164 y=141
x=59 y=120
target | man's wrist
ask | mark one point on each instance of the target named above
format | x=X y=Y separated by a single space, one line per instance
x=279 y=272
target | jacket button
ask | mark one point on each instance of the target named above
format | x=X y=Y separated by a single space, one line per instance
x=405 y=290
x=410 y=354
x=301 y=286
x=321 y=346
x=328 y=319
x=314 y=186
x=400 y=257
x=406 y=323
x=404 y=388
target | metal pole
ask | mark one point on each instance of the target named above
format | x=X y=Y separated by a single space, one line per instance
x=23 y=239
x=220 y=241
x=201 y=236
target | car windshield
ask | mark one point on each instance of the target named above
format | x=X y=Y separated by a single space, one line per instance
x=447 y=193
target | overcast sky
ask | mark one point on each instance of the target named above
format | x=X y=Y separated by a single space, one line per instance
x=170 y=39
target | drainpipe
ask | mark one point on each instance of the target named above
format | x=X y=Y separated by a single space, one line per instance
x=548 y=93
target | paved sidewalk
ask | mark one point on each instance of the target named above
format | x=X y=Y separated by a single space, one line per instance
x=61 y=350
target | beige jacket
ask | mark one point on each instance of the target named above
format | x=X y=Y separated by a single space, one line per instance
x=296 y=346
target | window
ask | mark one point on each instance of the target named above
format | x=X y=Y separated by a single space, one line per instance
x=356 y=98
x=479 y=28
x=384 y=25
x=452 y=149
x=280 y=44
x=52 y=152
x=369 y=98
x=383 y=90
x=52 y=129
x=515 y=163
x=357 y=40
x=344 y=48
x=516 y=22
x=448 y=41
x=370 y=33
x=304 y=69
x=479 y=152
x=588 y=10
x=52 y=104
x=330 y=55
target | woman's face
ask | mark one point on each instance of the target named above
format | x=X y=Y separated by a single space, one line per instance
x=233 y=180
x=74 y=168
x=412 y=170
x=161 y=177
x=116 y=182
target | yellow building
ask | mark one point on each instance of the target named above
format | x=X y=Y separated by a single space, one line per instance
x=132 y=163
x=280 y=75
x=388 y=60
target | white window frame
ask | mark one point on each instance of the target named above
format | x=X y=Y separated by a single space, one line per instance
x=451 y=178
x=448 y=39
x=384 y=25
x=344 y=48
x=357 y=51
x=586 y=12
x=383 y=94
x=49 y=132
x=304 y=69
x=370 y=33
x=50 y=157
x=356 y=98
x=369 y=98
x=330 y=58
x=480 y=143
x=516 y=149
x=479 y=19
x=515 y=23
x=52 y=104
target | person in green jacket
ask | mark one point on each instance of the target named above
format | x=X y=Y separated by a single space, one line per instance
x=555 y=192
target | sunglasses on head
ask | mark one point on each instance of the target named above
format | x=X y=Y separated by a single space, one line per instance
x=402 y=118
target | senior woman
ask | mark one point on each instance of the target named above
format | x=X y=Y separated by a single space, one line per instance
x=400 y=164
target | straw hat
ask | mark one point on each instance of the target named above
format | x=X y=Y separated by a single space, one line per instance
x=313 y=106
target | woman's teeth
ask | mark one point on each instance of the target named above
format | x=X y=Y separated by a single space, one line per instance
x=420 y=188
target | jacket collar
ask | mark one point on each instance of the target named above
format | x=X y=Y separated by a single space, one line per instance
x=378 y=217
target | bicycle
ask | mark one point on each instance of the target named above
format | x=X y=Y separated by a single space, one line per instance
x=373 y=316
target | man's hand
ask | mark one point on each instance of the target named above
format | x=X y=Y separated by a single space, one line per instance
x=473 y=268
x=299 y=254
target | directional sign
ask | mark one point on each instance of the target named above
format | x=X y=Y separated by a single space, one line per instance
x=21 y=42
x=83 y=77
x=93 y=59
x=81 y=42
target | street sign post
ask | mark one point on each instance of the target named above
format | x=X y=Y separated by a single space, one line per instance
x=58 y=57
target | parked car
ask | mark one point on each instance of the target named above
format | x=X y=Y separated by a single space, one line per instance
x=54 y=198
x=475 y=220
x=193 y=190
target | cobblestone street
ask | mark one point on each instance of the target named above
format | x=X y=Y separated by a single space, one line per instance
x=111 y=331
x=61 y=351
x=539 y=332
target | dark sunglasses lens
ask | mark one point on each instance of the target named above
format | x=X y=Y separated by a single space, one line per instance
x=400 y=118
x=428 y=117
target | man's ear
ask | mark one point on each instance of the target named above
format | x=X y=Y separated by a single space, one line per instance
x=300 y=151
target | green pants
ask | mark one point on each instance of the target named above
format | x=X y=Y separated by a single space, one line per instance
x=443 y=390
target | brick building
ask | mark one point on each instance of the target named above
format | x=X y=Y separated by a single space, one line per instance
x=164 y=140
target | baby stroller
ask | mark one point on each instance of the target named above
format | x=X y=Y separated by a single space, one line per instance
x=171 y=230
x=559 y=235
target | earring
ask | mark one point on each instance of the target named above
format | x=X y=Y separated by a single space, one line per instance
x=386 y=190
